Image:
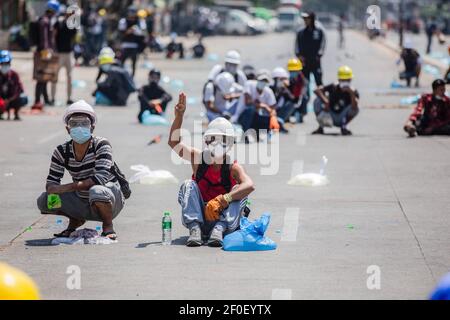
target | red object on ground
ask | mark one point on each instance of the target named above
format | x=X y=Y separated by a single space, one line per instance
x=2 y=105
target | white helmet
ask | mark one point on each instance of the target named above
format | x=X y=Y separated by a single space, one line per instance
x=408 y=44
x=220 y=127
x=225 y=82
x=279 y=73
x=80 y=106
x=233 y=57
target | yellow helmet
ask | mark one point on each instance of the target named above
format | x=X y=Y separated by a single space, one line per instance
x=102 y=12
x=16 y=285
x=345 y=73
x=105 y=59
x=142 y=13
x=295 y=65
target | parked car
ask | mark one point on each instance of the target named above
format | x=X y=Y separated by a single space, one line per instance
x=238 y=22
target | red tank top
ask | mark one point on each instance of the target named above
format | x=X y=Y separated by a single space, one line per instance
x=210 y=186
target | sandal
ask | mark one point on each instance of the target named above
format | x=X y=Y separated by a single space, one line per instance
x=65 y=234
x=110 y=235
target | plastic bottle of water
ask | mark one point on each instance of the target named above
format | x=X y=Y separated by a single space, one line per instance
x=166 y=229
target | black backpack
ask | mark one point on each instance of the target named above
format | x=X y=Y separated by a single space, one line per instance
x=124 y=185
x=33 y=33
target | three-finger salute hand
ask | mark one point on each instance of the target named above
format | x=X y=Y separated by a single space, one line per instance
x=180 y=108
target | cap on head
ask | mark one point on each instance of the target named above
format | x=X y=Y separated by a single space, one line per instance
x=82 y=107
x=220 y=127
x=280 y=73
x=309 y=15
x=233 y=57
x=155 y=72
x=295 y=64
x=263 y=75
x=408 y=44
x=345 y=73
x=53 y=5
x=437 y=83
x=5 y=56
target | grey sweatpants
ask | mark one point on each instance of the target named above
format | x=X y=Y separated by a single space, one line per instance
x=193 y=208
x=79 y=208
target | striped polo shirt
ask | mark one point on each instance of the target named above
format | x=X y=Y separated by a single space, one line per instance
x=96 y=164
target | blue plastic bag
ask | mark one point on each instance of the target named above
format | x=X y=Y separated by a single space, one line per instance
x=250 y=237
x=101 y=99
x=149 y=119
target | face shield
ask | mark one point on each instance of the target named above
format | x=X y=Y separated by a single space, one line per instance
x=219 y=145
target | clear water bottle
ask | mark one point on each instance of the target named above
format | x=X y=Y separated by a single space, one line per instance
x=166 y=229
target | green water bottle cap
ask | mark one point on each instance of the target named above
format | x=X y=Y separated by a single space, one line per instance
x=167 y=213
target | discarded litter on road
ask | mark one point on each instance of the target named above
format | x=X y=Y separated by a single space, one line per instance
x=432 y=70
x=149 y=119
x=84 y=236
x=79 y=84
x=146 y=176
x=410 y=100
x=312 y=179
x=250 y=237
x=155 y=140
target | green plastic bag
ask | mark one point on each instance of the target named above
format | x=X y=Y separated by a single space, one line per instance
x=53 y=201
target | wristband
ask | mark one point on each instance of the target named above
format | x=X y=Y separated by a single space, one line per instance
x=228 y=198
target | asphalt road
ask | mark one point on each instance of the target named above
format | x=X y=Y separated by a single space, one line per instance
x=386 y=205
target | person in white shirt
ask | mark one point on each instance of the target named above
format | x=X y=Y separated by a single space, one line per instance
x=222 y=97
x=260 y=103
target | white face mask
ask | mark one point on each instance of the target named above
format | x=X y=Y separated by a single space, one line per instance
x=260 y=85
x=344 y=84
x=218 y=148
x=5 y=69
x=231 y=68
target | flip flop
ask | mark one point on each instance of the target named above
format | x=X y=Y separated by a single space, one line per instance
x=110 y=234
x=64 y=234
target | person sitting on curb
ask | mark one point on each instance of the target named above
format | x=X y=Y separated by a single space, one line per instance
x=337 y=103
x=152 y=96
x=11 y=88
x=285 y=98
x=95 y=193
x=117 y=86
x=222 y=97
x=213 y=200
x=432 y=113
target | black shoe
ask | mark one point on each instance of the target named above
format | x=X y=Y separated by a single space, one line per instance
x=69 y=102
x=17 y=118
x=346 y=132
x=50 y=103
x=318 y=131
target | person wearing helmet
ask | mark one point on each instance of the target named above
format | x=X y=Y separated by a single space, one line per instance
x=298 y=87
x=213 y=200
x=152 y=96
x=413 y=63
x=117 y=86
x=64 y=42
x=132 y=29
x=222 y=97
x=337 y=103
x=199 y=49
x=310 y=47
x=11 y=88
x=16 y=285
x=250 y=72
x=95 y=193
x=260 y=103
x=174 y=47
x=232 y=63
x=284 y=96
x=44 y=53
x=432 y=113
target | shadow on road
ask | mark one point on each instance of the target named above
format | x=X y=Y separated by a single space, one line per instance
x=176 y=242
x=40 y=243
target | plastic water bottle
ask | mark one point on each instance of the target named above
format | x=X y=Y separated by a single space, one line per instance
x=166 y=229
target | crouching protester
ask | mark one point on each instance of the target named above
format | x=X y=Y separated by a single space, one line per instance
x=98 y=187
x=337 y=103
x=432 y=113
x=11 y=88
x=213 y=201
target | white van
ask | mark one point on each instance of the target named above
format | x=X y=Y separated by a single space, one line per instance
x=289 y=19
x=238 y=22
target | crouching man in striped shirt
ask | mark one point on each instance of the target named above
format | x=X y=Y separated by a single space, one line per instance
x=95 y=193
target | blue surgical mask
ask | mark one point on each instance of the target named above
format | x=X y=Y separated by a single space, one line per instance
x=105 y=68
x=80 y=134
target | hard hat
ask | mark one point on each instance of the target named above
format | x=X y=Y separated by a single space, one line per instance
x=295 y=65
x=80 y=106
x=408 y=44
x=16 y=285
x=279 y=73
x=225 y=82
x=345 y=73
x=263 y=75
x=142 y=13
x=107 y=51
x=5 y=56
x=53 y=5
x=220 y=127
x=105 y=60
x=102 y=12
x=233 y=57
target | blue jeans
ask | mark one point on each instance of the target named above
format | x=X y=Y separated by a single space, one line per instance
x=285 y=111
x=246 y=117
x=193 y=208
x=340 y=119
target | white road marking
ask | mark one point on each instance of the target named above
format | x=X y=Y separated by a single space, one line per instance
x=290 y=226
x=297 y=168
x=50 y=137
x=281 y=294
